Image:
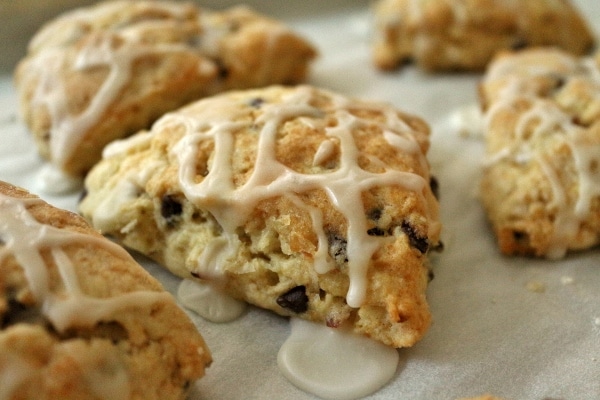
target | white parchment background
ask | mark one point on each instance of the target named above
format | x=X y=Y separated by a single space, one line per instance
x=492 y=333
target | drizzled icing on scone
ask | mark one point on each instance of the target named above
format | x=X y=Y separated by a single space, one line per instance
x=522 y=88
x=64 y=306
x=459 y=34
x=232 y=205
x=25 y=238
x=103 y=40
x=342 y=365
x=116 y=50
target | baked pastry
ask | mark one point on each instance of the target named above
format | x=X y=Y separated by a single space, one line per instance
x=540 y=185
x=103 y=72
x=79 y=318
x=441 y=35
x=294 y=199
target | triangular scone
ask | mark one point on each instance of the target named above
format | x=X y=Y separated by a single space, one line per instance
x=79 y=318
x=465 y=34
x=103 y=72
x=541 y=183
x=297 y=200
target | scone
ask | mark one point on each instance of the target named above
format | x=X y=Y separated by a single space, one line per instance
x=103 y=72
x=541 y=183
x=295 y=199
x=440 y=35
x=79 y=318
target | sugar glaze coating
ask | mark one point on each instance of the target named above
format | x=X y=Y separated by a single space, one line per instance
x=103 y=72
x=65 y=333
x=299 y=192
x=541 y=185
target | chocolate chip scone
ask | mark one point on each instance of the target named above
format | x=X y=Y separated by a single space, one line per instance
x=541 y=183
x=464 y=35
x=79 y=318
x=297 y=200
x=103 y=72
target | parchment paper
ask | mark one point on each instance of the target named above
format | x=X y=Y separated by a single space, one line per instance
x=515 y=327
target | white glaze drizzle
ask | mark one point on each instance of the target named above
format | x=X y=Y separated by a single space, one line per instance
x=547 y=119
x=467 y=121
x=127 y=189
x=324 y=152
x=116 y=49
x=112 y=50
x=25 y=239
x=232 y=205
x=122 y=146
x=565 y=220
x=416 y=16
x=209 y=302
x=323 y=262
x=52 y=180
x=333 y=363
x=104 y=216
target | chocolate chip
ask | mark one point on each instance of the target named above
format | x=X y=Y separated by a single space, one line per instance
x=521 y=238
x=430 y=275
x=519 y=44
x=375 y=214
x=416 y=241
x=559 y=81
x=338 y=248
x=294 y=299
x=234 y=26
x=195 y=41
x=256 y=102
x=438 y=247
x=406 y=60
x=376 y=232
x=14 y=308
x=20 y=313
x=170 y=208
x=435 y=186
x=223 y=69
x=82 y=195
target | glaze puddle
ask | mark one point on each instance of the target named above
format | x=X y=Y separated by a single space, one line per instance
x=334 y=363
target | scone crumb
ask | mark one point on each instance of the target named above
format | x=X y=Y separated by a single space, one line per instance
x=536 y=286
x=567 y=280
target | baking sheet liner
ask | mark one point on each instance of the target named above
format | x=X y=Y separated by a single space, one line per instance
x=516 y=327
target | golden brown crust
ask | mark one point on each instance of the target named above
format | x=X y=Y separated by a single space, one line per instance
x=150 y=350
x=132 y=194
x=464 y=35
x=103 y=72
x=542 y=136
